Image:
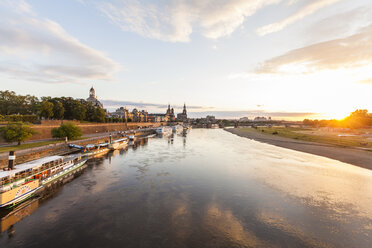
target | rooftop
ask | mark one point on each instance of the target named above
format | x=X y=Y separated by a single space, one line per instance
x=32 y=164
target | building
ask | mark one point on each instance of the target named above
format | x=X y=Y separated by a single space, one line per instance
x=157 y=118
x=211 y=118
x=121 y=112
x=258 y=118
x=243 y=119
x=139 y=116
x=93 y=98
x=169 y=115
x=182 y=116
x=135 y=115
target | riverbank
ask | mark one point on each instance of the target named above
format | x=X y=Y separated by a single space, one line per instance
x=354 y=156
x=61 y=148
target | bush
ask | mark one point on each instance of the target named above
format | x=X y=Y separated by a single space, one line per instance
x=17 y=132
x=22 y=118
x=69 y=130
x=275 y=133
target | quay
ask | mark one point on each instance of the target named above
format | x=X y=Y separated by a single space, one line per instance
x=61 y=149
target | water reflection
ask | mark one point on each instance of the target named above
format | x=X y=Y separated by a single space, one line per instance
x=206 y=188
x=10 y=216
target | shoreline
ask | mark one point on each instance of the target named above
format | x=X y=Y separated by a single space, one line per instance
x=352 y=156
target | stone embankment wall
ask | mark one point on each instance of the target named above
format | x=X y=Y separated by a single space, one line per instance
x=26 y=155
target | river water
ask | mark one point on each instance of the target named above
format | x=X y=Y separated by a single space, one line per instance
x=208 y=188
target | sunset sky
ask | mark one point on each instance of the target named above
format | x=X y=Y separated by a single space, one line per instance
x=289 y=59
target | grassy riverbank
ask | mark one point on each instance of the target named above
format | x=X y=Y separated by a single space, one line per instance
x=294 y=139
x=313 y=135
x=28 y=145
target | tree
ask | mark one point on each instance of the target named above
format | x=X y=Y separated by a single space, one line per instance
x=358 y=119
x=17 y=132
x=58 y=110
x=78 y=110
x=99 y=115
x=46 y=110
x=69 y=130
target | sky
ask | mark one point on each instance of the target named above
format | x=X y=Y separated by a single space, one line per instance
x=288 y=59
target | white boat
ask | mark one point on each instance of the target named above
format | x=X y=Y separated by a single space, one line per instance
x=165 y=130
x=96 y=150
x=177 y=129
x=118 y=144
x=24 y=180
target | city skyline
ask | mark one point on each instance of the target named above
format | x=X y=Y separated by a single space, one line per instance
x=286 y=59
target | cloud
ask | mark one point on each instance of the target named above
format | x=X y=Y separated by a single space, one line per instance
x=112 y=104
x=346 y=53
x=339 y=25
x=366 y=81
x=38 y=49
x=176 y=20
x=309 y=9
x=253 y=113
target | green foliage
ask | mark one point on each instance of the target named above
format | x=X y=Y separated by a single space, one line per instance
x=69 y=130
x=17 y=132
x=95 y=114
x=46 y=109
x=58 y=110
x=2 y=118
x=357 y=119
x=22 y=118
x=78 y=111
x=10 y=103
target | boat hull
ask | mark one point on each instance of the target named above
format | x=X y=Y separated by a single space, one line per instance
x=19 y=194
x=64 y=172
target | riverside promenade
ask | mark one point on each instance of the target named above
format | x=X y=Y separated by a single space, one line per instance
x=25 y=155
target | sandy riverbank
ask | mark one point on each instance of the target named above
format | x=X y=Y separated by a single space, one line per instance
x=348 y=155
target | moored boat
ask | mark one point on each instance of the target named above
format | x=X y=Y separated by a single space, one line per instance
x=177 y=129
x=118 y=144
x=165 y=130
x=96 y=149
x=23 y=181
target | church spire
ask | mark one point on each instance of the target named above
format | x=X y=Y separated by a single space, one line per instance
x=184 y=109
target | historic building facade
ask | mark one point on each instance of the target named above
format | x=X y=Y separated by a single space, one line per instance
x=93 y=98
x=182 y=116
x=135 y=115
x=169 y=115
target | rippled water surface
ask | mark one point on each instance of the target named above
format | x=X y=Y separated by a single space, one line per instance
x=208 y=189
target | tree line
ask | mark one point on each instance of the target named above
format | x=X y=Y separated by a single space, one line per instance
x=56 y=108
x=358 y=119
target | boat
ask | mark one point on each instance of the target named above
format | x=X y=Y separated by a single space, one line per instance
x=165 y=130
x=151 y=135
x=96 y=149
x=177 y=129
x=118 y=144
x=23 y=181
x=71 y=163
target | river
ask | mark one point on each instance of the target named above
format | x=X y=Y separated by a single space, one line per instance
x=208 y=188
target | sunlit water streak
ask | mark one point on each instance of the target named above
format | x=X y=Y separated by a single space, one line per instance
x=209 y=189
